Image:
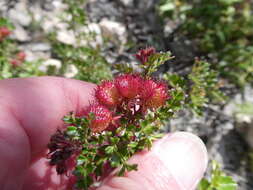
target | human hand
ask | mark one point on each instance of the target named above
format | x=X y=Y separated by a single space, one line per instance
x=31 y=110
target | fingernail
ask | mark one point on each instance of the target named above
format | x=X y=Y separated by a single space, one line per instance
x=185 y=156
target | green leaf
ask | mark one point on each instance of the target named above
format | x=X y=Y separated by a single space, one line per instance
x=226 y=183
x=131 y=167
x=115 y=161
x=203 y=185
x=218 y=181
x=122 y=171
x=110 y=149
x=114 y=140
x=133 y=145
x=72 y=131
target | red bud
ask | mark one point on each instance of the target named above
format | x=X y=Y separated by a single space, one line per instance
x=15 y=62
x=107 y=94
x=21 y=56
x=128 y=85
x=144 y=54
x=102 y=117
x=4 y=32
x=154 y=94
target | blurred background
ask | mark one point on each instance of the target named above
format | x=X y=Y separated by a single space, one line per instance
x=212 y=45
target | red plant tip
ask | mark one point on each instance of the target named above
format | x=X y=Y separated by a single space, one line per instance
x=128 y=85
x=4 y=32
x=21 y=56
x=62 y=152
x=144 y=54
x=15 y=62
x=154 y=94
x=107 y=94
x=102 y=117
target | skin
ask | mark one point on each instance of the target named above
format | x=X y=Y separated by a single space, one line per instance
x=31 y=110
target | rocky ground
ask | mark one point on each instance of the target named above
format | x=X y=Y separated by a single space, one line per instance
x=134 y=24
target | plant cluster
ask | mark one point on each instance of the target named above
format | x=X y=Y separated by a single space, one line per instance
x=82 y=60
x=13 y=61
x=219 y=180
x=125 y=118
x=205 y=87
x=223 y=31
x=83 y=55
x=201 y=87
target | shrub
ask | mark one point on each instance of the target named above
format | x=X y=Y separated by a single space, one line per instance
x=223 y=32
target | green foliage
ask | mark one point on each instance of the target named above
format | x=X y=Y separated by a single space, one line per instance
x=173 y=8
x=198 y=89
x=91 y=66
x=218 y=181
x=222 y=29
x=245 y=108
x=155 y=61
x=204 y=86
x=8 y=52
x=6 y=23
x=114 y=147
x=178 y=94
x=88 y=61
x=76 y=12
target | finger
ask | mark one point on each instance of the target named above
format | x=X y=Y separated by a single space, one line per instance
x=42 y=177
x=31 y=110
x=176 y=162
x=38 y=104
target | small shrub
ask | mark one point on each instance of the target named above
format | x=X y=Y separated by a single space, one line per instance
x=223 y=31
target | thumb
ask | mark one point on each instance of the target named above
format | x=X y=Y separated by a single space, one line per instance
x=176 y=162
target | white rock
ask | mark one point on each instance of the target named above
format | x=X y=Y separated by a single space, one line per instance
x=62 y=26
x=30 y=56
x=39 y=46
x=244 y=123
x=98 y=38
x=95 y=28
x=66 y=37
x=248 y=91
x=53 y=19
x=50 y=62
x=71 y=71
x=3 y=6
x=242 y=118
x=36 y=12
x=59 y=5
x=20 y=15
x=114 y=30
x=20 y=34
x=127 y=2
x=49 y=23
x=231 y=107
